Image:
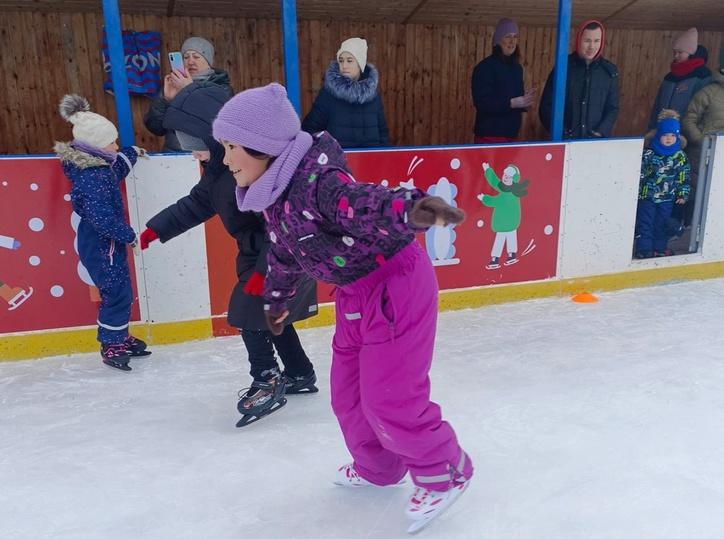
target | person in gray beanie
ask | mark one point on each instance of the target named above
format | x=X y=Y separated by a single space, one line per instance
x=198 y=57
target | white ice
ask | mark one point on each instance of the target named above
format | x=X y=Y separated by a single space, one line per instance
x=584 y=421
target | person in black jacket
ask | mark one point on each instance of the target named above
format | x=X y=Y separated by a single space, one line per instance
x=191 y=115
x=349 y=106
x=198 y=56
x=592 y=92
x=498 y=93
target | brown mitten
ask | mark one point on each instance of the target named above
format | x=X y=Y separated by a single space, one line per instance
x=275 y=322
x=431 y=211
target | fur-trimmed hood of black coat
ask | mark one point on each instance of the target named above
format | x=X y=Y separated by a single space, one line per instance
x=359 y=91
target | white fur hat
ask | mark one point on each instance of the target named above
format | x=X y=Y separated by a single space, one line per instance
x=88 y=126
x=357 y=47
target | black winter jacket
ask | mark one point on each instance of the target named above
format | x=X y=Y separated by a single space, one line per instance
x=193 y=111
x=495 y=82
x=157 y=111
x=591 y=99
x=351 y=111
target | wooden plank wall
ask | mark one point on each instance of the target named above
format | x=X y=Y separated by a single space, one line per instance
x=425 y=70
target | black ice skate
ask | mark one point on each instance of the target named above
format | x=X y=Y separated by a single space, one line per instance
x=512 y=259
x=116 y=356
x=296 y=385
x=136 y=347
x=494 y=263
x=262 y=399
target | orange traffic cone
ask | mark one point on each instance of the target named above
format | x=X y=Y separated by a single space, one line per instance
x=584 y=297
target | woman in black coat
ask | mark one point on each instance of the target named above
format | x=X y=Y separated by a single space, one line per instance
x=198 y=58
x=498 y=93
x=190 y=115
x=349 y=106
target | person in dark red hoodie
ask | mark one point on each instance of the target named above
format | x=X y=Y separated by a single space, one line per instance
x=592 y=88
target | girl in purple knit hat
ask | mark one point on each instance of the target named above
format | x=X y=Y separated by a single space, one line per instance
x=361 y=238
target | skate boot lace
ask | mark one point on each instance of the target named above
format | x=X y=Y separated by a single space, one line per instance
x=255 y=395
x=351 y=473
x=113 y=351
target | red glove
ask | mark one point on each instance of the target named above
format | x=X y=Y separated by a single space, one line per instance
x=255 y=285
x=147 y=236
x=429 y=210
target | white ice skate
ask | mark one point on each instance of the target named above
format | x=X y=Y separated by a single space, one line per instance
x=348 y=477
x=20 y=298
x=426 y=505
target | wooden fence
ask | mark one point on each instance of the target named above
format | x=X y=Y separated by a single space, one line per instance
x=424 y=69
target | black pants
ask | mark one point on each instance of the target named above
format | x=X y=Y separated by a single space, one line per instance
x=261 y=344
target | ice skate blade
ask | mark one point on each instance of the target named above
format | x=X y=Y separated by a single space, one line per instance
x=21 y=298
x=142 y=353
x=511 y=262
x=341 y=483
x=423 y=522
x=117 y=366
x=248 y=419
x=303 y=391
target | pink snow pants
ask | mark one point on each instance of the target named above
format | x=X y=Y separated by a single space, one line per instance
x=382 y=351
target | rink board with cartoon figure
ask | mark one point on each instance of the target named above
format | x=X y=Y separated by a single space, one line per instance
x=511 y=195
x=570 y=226
x=512 y=216
x=43 y=285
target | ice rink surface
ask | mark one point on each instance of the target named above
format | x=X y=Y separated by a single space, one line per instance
x=584 y=421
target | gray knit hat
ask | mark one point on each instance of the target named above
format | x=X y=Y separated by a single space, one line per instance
x=200 y=45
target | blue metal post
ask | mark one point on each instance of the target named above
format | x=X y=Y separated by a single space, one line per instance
x=291 y=53
x=561 y=68
x=112 y=21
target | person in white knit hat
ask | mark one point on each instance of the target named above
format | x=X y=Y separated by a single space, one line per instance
x=349 y=105
x=96 y=167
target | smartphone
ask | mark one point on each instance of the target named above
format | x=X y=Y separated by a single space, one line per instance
x=177 y=61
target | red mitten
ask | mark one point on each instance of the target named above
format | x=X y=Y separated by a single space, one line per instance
x=430 y=211
x=147 y=236
x=255 y=285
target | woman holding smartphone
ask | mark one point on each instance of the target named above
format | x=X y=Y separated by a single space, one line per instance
x=197 y=55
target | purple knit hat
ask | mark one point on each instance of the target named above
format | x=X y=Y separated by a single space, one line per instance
x=264 y=120
x=503 y=28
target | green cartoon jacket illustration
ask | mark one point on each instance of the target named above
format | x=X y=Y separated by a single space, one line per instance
x=506 y=204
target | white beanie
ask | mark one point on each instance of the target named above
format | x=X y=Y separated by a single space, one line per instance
x=687 y=42
x=357 y=47
x=88 y=126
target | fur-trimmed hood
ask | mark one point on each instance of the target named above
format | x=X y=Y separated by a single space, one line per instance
x=353 y=91
x=71 y=156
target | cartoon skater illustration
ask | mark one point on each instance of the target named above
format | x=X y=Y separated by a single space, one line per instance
x=506 y=212
x=14 y=295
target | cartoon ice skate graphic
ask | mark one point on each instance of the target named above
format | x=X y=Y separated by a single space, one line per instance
x=506 y=212
x=440 y=239
x=14 y=295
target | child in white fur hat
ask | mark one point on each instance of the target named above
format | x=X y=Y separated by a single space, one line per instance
x=95 y=166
